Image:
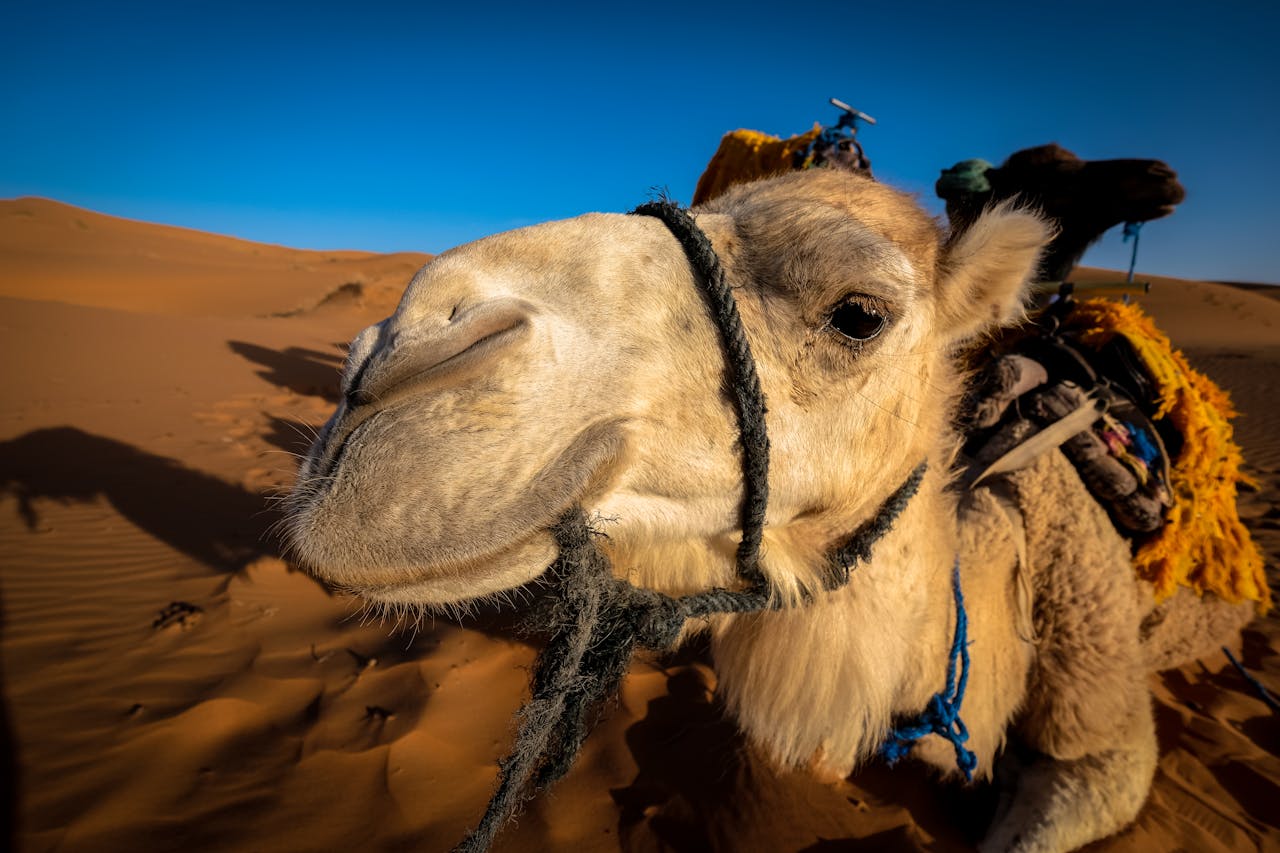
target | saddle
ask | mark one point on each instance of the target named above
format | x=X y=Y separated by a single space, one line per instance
x=1150 y=436
x=749 y=155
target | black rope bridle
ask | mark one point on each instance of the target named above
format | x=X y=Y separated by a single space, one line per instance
x=596 y=621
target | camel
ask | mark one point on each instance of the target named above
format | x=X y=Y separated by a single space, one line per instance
x=573 y=364
x=1084 y=198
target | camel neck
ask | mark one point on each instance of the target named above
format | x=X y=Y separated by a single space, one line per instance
x=815 y=680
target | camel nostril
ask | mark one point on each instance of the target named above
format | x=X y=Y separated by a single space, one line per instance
x=474 y=336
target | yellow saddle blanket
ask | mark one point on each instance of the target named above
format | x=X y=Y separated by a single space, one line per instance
x=1203 y=544
x=748 y=155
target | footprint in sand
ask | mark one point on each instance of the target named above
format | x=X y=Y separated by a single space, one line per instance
x=179 y=615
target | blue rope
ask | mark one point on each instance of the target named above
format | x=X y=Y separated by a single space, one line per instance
x=1263 y=692
x=1132 y=229
x=942 y=715
x=1143 y=447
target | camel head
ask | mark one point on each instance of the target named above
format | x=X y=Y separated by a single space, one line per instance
x=1085 y=197
x=1101 y=190
x=574 y=363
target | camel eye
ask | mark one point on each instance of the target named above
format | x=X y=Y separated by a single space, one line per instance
x=857 y=321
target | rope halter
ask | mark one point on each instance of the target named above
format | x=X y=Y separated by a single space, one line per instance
x=597 y=621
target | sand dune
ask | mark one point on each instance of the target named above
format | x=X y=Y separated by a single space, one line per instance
x=57 y=252
x=170 y=683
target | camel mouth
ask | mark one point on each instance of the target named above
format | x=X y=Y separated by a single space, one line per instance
x=330 y=456
x=487 y=575
x=395 y=547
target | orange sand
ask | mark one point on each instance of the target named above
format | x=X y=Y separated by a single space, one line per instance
x=170 y=684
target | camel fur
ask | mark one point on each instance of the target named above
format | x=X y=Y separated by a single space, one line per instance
x=572 y=363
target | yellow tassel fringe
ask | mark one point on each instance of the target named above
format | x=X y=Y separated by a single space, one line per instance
x=748 y=155
x=1203 y=544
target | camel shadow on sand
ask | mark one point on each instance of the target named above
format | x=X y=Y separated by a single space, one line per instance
x=221 y=525
x=310 y=372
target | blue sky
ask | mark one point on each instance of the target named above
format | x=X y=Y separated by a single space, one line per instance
x=397 y=126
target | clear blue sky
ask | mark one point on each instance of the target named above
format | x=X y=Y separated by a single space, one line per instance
x=389 y=126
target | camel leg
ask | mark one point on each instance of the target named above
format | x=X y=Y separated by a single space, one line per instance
x=1061 y=805
x=1187 y=626
x=1087 y=711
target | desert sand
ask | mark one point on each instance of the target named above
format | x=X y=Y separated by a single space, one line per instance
x=171 y=683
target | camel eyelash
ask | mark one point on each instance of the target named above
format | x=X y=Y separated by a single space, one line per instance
x=858 y=319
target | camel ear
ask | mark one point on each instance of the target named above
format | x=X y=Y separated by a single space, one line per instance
x=987 y=268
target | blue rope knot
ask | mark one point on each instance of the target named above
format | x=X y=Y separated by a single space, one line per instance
x=942 y=714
